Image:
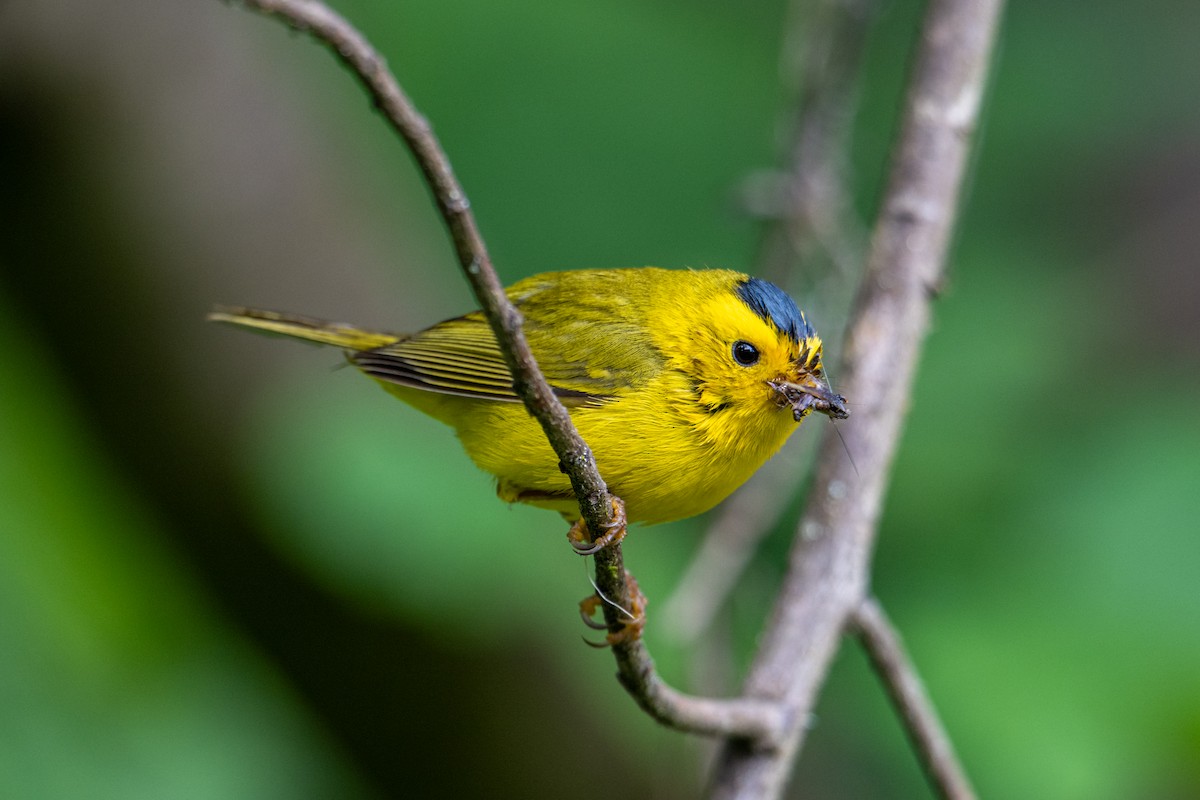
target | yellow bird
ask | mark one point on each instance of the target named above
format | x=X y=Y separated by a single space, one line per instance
x=682 y=382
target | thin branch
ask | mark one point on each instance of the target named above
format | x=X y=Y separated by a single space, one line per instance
x=747 y=718
x=352 y=48
x=810 y=215
x=809 y=230
x=827 y=575
x=728 y=547
x=899 y=675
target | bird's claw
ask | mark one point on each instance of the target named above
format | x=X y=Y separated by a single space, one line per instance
x=580 y=538
x=628 y=628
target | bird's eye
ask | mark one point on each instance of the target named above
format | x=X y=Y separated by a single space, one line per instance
x=745 y=353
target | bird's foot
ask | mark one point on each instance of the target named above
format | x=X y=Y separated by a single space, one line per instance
x=628 y=628
x=580 y=537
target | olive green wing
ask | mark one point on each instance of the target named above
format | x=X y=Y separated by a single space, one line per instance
x=589 y=351
x=458 y=357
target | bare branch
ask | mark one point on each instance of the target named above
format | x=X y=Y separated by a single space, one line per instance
x=636 y=669
x=827 y=577
x=750 y=718
x=811 y=220
x=352 y=48
x=882 y=643
x=729 y=545
x=809 y=231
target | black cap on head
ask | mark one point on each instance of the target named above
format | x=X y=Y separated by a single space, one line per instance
x=775 y=306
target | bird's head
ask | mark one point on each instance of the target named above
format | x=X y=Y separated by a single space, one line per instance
x=761 y=354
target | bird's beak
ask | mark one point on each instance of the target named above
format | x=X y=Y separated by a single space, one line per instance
x=810 y=393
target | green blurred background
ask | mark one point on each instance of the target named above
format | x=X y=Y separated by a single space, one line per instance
x=229 y=569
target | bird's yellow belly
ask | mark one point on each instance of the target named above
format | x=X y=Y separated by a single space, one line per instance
x=665 y=464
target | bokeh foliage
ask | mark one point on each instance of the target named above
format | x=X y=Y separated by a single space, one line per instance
x=228 y=569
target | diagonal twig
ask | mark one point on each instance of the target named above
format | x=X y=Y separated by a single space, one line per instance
x=747 y=718
x=808 y=226
x=882 y=643
x=352 y=48
x=810 y=218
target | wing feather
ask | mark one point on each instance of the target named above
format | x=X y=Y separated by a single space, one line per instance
x=589 y=341
x=458 y=357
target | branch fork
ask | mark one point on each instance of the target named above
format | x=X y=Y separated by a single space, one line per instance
x=825 y=591
x=744 y=719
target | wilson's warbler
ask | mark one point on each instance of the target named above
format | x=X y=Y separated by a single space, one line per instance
x=682 y=382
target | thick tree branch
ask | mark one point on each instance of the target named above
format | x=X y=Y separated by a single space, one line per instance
x=882 y=643
x=749 y=718
x=827 y=577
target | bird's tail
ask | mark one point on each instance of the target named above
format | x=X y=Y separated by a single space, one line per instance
x=306 y=328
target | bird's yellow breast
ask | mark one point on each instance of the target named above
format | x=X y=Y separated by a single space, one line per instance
x=663 y=459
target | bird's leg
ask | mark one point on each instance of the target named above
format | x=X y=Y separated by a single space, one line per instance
x=633 y=619
x=588 y=607
x=580 y=537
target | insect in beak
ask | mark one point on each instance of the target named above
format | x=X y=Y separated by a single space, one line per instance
x=812 y=393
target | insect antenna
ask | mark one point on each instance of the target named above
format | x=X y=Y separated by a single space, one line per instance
x=845 y=446
x=606 y=600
